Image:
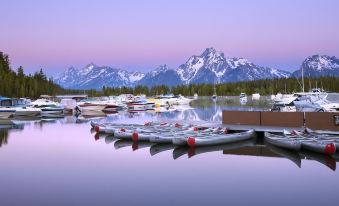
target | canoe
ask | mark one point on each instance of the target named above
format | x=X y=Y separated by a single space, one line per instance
x=324 y=147
x=135 y=136
x=284 y=142
x=220 y=139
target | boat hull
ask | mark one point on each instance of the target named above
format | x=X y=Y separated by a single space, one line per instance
x=220 y=139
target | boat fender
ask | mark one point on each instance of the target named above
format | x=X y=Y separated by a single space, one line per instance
x=330 y=149
x=135 y=136
x=191 y=141
x=97 y=129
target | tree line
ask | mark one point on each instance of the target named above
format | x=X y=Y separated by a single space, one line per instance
x=17 y=84
x=264 y=87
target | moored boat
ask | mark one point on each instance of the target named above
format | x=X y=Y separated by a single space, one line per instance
x=220 y=139
x=282 y=141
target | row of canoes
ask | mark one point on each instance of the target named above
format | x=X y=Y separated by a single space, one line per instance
x=193 y=136
x=174 y=133
x=312 y=141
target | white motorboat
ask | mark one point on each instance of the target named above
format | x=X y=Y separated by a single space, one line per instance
x=6 y=113
x=68 y=104
x=315 y=104
x=48 y=108
x=243 y=96
x=255 y=96
x=27 y=112
x=195 y=96
x=20 y=106
x=90 y=106
x=183 y=100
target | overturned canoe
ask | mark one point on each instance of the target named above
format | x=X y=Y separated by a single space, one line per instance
x=220 y=139
x=284 y=142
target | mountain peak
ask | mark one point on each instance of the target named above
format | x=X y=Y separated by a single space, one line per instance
x=211 y=52
x=163 y=67
x=319 y=65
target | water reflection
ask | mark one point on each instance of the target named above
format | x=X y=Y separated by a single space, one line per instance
x=253 y=147
x=203 y=109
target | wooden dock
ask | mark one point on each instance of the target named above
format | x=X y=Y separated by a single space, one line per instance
x=277 y=121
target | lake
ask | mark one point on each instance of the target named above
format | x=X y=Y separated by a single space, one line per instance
x=63 y=162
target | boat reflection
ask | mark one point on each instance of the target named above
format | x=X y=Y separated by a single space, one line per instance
x=200 y=150
x=289 y=154
x=326 y=160
x=158 y=148
x=129 y=143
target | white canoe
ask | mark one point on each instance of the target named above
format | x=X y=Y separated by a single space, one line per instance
x=220 y=139
x=282 y=141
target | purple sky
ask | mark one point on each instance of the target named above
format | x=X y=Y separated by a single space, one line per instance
x=140 y=35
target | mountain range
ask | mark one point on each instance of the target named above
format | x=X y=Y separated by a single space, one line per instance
x=209 y=67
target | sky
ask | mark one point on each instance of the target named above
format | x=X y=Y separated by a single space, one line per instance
x=139 y=35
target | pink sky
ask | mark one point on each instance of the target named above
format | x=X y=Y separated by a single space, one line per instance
x=140 y=36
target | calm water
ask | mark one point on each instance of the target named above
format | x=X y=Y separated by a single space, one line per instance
x=60 y=162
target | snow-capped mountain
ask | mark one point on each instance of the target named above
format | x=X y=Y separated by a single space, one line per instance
x=95 y=77
x=209 y=67
x=319 y=65
x=161 y=76
x=213 y=67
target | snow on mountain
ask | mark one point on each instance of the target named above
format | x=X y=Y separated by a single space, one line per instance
x=319 y=65
x=162 y=75
x=213 y=67
x=95 y=77
x=209 y=67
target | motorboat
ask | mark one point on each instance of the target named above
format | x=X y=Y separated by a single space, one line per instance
x=89 y=107
x=183 y=100
x=315 y=104
x=6 y=113
x=69 y=105
x=48 y=108
x=20 y=106
x=243 y=96
x=255 y=96
x=141 y=105
x=195 y=96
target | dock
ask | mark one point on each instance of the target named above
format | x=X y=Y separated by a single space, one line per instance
x=278 y=121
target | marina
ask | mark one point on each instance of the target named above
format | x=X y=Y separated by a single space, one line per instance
x=169 y=103
x=67 y=154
